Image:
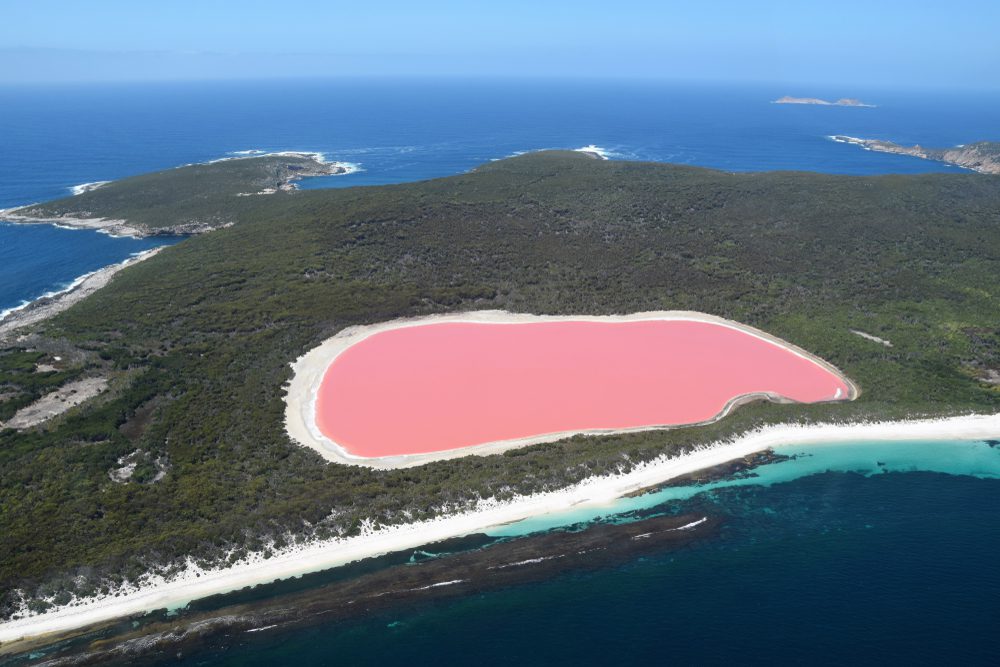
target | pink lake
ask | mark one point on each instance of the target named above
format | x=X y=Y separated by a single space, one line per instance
x=437 y=387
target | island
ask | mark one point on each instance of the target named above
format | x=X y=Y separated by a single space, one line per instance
x=842 y=102
x=168 y=472
x=981 y=156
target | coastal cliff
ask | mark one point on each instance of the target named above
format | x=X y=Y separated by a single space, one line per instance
x=981 y=156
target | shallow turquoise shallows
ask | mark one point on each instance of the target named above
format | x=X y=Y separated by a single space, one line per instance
x=954 y=457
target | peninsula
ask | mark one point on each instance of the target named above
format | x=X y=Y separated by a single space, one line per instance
x=188 y=200
x=842 y=102
x=981 y=156
x=175 y=477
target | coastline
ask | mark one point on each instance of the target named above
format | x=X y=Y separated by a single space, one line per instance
x=310 y=368
x=87 y=187
x=111 y=227
x=594 y=152
x=52 y=303
x=124 y=228
x=155 y=592
x=980 y=157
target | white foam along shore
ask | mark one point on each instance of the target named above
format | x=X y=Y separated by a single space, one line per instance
x=56 y=301
x=122 y=228
x=109 y=226
x=309 y=370
x=154 y=592
x=601 y=153
x=87 y=187
x=344 y=168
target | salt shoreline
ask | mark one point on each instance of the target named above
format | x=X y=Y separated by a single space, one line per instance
x=194 y=583
x=310 y=368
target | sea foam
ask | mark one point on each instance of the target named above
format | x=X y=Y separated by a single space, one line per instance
x=87 y=187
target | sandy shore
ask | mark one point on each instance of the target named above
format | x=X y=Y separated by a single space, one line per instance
x=309 y=369
x=47 y=306
x=194 y=583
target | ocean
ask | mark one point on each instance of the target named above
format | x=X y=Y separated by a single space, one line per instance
x=868 y=554
x=55 y=138
x=861 y=553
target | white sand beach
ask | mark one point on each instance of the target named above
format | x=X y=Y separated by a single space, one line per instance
x=155 y=592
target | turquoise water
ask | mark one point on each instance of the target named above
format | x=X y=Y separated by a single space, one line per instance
x=861 y=553
x=850 y=553
x=830 y=558
x=956 y=457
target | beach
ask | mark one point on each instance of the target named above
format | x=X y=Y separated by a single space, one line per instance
x=703 y=128
x=310 y=370
x=155 y=592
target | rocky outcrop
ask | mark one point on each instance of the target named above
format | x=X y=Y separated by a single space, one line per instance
x=982 y=156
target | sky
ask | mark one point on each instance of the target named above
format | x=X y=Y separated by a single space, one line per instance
x=917 y=43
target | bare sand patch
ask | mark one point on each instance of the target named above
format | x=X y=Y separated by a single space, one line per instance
x=871 y=337
x=59 y=401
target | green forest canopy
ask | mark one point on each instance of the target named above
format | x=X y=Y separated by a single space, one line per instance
x=197 y=341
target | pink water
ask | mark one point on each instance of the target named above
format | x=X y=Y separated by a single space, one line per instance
x=443 y=386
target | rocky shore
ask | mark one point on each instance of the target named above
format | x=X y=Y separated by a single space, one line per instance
x=981 y=156
x=108 y=226
x=47 y=306
x=98 y=206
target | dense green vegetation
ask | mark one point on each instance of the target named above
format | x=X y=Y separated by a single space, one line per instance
x=981 y=156
x=24 y=377
x=199 y=338
x=184 y=199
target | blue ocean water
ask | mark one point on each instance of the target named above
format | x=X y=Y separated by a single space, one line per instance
x=836 y=559
x=40 y=259
x=52 y=138
x=861 y=553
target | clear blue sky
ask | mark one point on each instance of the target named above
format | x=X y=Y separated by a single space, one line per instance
x=939 y=43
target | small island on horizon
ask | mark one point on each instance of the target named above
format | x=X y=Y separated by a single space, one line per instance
x=842 y=102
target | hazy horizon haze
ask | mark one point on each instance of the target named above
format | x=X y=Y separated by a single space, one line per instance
x=852 y=43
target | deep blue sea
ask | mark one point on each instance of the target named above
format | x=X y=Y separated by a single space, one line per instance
x=52 y=138
x=829 y=559
x=848 y=554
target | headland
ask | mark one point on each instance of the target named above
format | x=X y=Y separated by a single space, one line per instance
x=980 y=156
